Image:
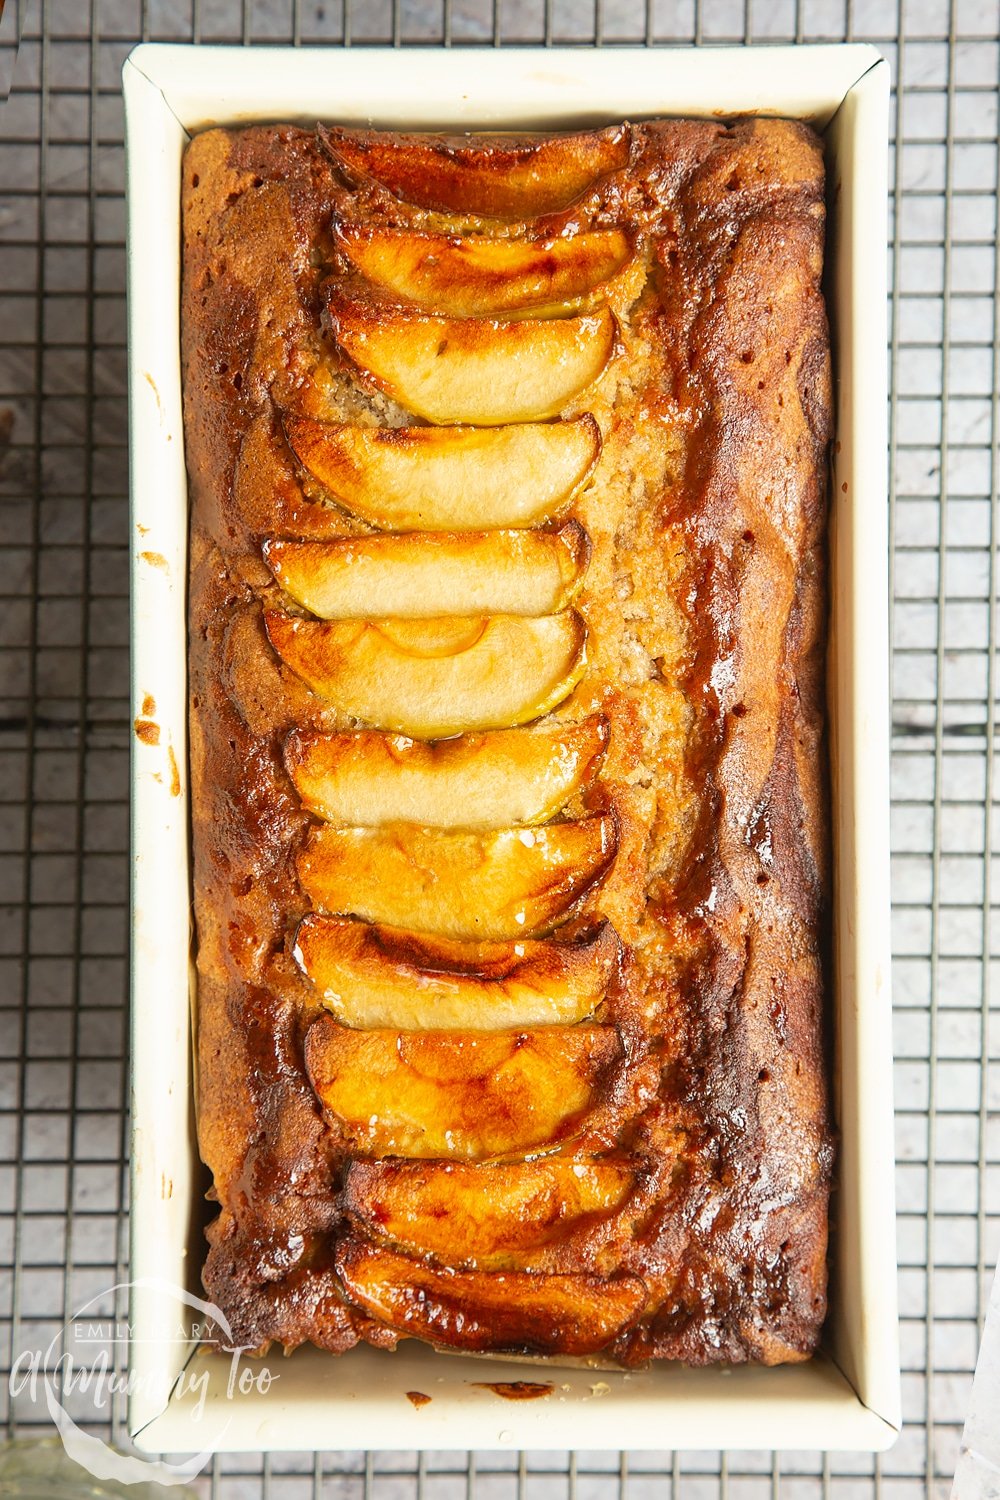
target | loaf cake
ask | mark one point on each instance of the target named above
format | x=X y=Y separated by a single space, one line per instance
x=507 y=610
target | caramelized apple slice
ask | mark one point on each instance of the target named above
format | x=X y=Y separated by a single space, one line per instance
x=423 y=575
x=475 y=370
x=436 y=677
x=512 y=1311
x=480 y=277
x=383 y=976
x=500 y=177
x=495 y=780
x=483 y=1214
x=449 y=478
x=494 y=886
x=470 y=1095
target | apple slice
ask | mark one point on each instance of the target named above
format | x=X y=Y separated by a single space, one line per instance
x=517 y=882
x=449 y=478
x=483 y=1214
x=434 y=678
x=471 y=1095
x=498 y=177
x=384 y=976
x=496 y=780
x=475 y=370
x=426 y=574
x=523 y=1312
x=480 y=277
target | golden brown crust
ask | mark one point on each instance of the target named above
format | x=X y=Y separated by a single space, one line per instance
x=704 y=605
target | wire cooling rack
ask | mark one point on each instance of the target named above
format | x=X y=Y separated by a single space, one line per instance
x=64 y=729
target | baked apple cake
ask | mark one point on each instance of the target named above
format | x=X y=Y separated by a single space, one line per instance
x=507 y=464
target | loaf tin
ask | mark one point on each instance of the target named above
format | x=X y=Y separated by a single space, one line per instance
x=182 y=1399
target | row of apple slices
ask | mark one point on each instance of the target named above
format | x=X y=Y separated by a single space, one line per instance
x=392 y=800
x=448 y=675
x=519 y=584
x=461 y=362
x=408 y=677
x=505 y=664
x=394 y=858
x=381 y=978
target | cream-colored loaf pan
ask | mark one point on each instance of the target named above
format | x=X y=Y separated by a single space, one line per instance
x=847 y=1397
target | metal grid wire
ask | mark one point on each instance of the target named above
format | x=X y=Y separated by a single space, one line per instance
x=64 y=729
